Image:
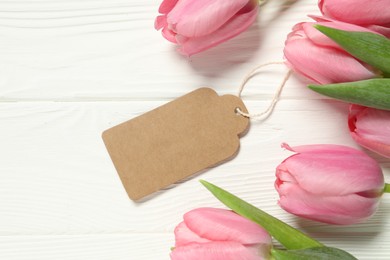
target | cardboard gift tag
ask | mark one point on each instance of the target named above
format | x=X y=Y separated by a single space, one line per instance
x=176 y=140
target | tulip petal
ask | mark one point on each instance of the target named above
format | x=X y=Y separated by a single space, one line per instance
x=357 y=11
x=322 y=40
x=166 y=6
x=185 y=236
x=202 y=17
x=221 y=250
x=160 y=22
x=370 y=128
x=324 y=65
x=322 y=148
x=379 y=148
x=374 y=124
x=230 y=29
x=340 y=210
x=333 y=170
x=381 y=29
x=225 y=225
x=169 y=35
x=385 y=31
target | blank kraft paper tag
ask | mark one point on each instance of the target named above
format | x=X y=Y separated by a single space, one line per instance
x=176 y=140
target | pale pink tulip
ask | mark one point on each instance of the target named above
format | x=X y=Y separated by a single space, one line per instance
x=329 y=183
x=197 y=25
x=370 y=128
x=360 y=12
x=218 y=234
x=315 y=56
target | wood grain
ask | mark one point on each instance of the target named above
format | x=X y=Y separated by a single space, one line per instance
x=71 y=69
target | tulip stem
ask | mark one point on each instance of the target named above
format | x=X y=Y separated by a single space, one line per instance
x=387 y=188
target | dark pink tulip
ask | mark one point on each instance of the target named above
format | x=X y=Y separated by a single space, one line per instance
x=370 y=128
x=218 y=234
x=360 y=12
x=313 y=55
x=329 y=183
x=197 y=25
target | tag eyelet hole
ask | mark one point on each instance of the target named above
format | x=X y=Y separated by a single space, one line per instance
x=237 y=110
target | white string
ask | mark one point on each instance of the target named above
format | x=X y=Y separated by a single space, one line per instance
x=274 y=99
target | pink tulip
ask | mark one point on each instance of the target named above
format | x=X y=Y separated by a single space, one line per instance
x=360 y=12
x=370 y=128
x=316 y=57
x=197 y=25
x=218 y=234
x=329 y=183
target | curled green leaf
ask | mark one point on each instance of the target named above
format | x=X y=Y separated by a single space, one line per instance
x=370 y=93
x=288 y=236
x=369 y=47
x=315 y=253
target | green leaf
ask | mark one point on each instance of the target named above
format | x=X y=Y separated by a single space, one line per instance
x=315 y=253
x=288 y=236
x=386 y=189
x=371 y=93
x=369 y=47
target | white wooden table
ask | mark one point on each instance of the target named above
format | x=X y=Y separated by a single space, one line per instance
x=71 y=69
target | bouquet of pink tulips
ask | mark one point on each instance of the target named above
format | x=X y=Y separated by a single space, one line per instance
x=328 y=183
x=347 y=52
x=346 y=55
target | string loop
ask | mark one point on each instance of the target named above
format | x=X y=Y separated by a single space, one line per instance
x=274 y=100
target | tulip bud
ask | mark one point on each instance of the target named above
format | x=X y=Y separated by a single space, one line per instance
x=329 y=183
x=197 y=25
x=316 y=57
x=370 y=128
x=218 y=234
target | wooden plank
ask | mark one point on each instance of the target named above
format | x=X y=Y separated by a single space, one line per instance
x=57 y=177
x=140 y=246
x=103 y=50
x=71 y=69
x=94 y=246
